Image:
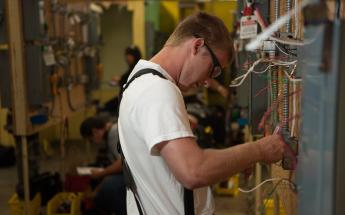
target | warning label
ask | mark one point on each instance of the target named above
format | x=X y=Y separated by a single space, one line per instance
x=249 y=27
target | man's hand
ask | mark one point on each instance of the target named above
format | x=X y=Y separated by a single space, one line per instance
x=271 y=148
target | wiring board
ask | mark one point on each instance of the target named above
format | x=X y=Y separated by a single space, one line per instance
x=275 y=85
x=298 y=53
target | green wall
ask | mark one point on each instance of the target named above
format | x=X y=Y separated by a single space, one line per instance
x=116 y=28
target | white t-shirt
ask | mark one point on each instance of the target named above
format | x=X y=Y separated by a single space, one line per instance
x=152 y=111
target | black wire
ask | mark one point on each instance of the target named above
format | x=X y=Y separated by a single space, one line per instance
x=292 y=187
x=286 y=50
x=270 y=195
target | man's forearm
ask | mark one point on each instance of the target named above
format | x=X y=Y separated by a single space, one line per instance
x=115 y=167
x=220 y=164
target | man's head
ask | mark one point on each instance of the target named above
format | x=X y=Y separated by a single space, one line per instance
x=93 y=129
x=133 y=55
x=208 y=45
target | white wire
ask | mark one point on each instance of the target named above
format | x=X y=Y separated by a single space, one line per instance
x=293 y=70
x=293 y=123
x=274 y=63
x=281 y=50
x=290 y=78
x=288 y=41
x=284 y=63
x=264 y=182
x=244 y=76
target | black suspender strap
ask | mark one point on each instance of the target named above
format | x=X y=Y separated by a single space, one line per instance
x=188 y=198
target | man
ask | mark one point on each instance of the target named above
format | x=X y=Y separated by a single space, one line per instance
x=111 y=192
x=155 y=135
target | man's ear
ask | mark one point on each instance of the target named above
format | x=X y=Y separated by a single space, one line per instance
x=196 y=45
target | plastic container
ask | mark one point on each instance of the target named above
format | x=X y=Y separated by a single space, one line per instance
x=269 y=207
x=17 y=206
x=65 y=204
x=229 y=187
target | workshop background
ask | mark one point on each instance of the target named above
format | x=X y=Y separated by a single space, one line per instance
x=60 y=61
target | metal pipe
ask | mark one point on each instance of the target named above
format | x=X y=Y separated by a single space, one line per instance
x=26 y=182
x=274 y=88
x=285 y=121
x=287 y=10
x=285 y=79
x=276 y=9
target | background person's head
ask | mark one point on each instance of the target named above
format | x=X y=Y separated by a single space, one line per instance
x=133 y=55
x=93 y=129
x=206 y=43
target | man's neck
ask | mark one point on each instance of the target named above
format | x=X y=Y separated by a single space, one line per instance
x=171 y=59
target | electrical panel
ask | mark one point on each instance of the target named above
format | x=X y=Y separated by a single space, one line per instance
x=5 y=76
x=37 y=76
x=33 y=19
x=91 y=72
x=93 y=29
x=3 y=35
x=271 y=74
x=301 y=64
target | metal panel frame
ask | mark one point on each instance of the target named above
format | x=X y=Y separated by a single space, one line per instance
x=320 y=95
x=340 y=148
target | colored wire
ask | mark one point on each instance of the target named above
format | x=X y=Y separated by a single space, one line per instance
x=264 y=182
x=272 y=107
x=290 y=75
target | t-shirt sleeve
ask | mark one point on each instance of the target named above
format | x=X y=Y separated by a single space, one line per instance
x=161 y=115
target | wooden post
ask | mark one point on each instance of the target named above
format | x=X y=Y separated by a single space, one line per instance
x=19 y=100
x=276 y=205
x=25 y=156
x=258 y=200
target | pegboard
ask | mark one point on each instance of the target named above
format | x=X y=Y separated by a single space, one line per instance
x=51 y=77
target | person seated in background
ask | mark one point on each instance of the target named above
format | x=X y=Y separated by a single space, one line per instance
x=132 y=56
x=110 y=194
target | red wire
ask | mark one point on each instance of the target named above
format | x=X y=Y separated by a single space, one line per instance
x=274 y=106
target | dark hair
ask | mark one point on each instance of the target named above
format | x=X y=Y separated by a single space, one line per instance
x=135 y=52
x=91 y=123
x=206 y=26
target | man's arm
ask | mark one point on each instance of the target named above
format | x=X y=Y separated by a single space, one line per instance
x=115 y=167
x=195 y=167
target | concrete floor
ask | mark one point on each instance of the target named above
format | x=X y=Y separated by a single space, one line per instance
x=8 y=180
x=225 y=205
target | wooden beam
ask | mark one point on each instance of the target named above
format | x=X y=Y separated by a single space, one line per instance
x=19 y=100
x=17 y=65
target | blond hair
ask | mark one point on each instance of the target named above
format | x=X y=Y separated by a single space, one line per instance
x=203 y=25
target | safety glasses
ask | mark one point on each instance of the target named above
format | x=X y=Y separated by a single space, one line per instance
x=217 y=69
